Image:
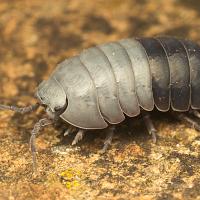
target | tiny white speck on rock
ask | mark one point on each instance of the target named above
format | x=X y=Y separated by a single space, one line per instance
x=63 y=150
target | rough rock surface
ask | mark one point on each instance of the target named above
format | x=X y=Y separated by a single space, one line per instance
x=36 y=35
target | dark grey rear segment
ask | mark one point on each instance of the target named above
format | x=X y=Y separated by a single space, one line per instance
x=102 y=74
x=179 y=73
x=193 y=51
x=159 y=67
x=123 y=71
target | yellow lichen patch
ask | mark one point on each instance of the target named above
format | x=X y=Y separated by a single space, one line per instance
x=71 y=178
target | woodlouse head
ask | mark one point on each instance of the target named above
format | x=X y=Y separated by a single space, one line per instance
x=51 y=95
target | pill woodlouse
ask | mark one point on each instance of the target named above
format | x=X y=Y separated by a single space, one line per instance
x=102 y=84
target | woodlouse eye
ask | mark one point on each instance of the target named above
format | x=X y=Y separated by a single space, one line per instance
x=42 y=99
x=57 y=108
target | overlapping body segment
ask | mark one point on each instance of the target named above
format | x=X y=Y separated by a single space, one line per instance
x=82 y=109
x=193 y=51
x=159 y=69
x=104 y=80
x=141 y=71
x=122 y=68
x=179 y=73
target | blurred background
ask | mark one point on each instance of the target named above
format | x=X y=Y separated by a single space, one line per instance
x=35 y=35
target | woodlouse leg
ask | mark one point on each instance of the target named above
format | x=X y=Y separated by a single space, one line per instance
x=188 y=120
x=150 y=127
x=21 y=110
x=41 y=123
x=110 y=133
x=70 y=130
x=79 y=136
x=195 y=113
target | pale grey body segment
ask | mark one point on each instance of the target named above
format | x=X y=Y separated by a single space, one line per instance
x=106 y=86
x=123 y=71
x=81 y=95
x=141 y=69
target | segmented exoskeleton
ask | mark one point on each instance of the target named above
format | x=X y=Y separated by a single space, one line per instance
x=102 y=84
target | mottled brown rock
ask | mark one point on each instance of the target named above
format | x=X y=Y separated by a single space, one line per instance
x=36 y=35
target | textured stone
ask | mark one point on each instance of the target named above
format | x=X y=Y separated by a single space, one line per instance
x=36 y=35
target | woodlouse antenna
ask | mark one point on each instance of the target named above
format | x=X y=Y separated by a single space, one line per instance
x=21 y=110
x=41 y=123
